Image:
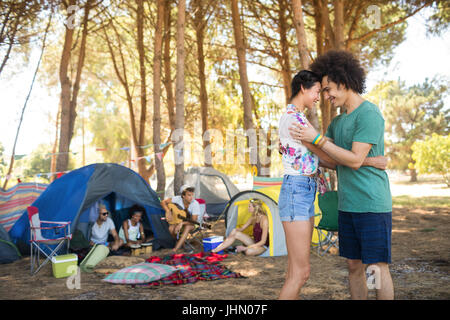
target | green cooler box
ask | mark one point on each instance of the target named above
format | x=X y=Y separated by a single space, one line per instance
x=64 y=265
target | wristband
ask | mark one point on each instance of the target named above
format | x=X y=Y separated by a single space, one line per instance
x=315 y=139
x=322 y=142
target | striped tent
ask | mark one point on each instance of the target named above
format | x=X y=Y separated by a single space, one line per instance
x=265 y=182
x=15 y=201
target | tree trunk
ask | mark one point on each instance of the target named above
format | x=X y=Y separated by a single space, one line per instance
x=285 y=60
x=200 y=24
x=167 y=73
x=68 y=94
x=179 y=98
x=55 y=145
x=303 y=51
x=159 y=164
x=243 y=78
x=301 y=34
x=339 y=24
x=413 y=175
x=143 y=90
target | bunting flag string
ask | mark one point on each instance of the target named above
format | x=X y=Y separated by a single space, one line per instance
x=98 y=149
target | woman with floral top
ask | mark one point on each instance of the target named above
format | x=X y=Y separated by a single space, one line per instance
x=297 y=195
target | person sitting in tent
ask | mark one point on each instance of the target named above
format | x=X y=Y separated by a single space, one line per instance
x=132 y=230
x=102 y=227
x=260 y=241
x=185 y=200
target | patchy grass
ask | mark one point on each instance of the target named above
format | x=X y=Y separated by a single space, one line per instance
x=428 y=202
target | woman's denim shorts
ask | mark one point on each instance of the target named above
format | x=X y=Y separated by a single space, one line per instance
x=296 y=200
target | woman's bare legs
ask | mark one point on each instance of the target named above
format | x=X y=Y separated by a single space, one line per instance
x=233 y=236
x=298 y=242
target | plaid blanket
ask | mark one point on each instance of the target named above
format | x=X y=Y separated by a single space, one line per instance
x=192 y=268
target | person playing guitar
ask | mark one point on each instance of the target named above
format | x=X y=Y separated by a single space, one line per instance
x=186 y=202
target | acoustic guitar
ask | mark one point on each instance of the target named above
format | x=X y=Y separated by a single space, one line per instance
x=179 y=215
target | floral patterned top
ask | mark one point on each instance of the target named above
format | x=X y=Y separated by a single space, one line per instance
x=296 y=158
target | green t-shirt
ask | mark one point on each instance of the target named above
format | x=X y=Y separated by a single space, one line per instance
x=366 y=189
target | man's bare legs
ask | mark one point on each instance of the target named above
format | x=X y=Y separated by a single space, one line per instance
x=187 y=228
x=358 y=283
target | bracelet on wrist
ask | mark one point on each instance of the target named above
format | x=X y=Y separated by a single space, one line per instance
x=316 y=138
x=322 y=142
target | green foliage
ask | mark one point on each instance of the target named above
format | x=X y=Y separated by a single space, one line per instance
x=439 y=21
x=39 y=161
x=433 y=155
x=3 y=168
x=411 y=113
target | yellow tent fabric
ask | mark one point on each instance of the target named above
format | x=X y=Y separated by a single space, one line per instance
x=274 y=192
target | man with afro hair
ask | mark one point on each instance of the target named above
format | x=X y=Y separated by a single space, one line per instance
x=365 y=202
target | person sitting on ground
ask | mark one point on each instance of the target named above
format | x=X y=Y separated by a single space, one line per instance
x=260 y=241
x=102 y=227
x=185 y=200
x=132 y=230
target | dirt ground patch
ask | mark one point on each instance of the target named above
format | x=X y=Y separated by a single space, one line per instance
x=420 y=270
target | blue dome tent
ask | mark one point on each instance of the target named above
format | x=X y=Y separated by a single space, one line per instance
x=73 y=196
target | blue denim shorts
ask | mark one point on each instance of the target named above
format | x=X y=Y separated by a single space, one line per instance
x=296 y=200
x=365 y=236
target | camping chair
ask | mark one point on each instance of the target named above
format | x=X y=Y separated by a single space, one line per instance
x=196 y=235
x=328 y=204
x=37 y=239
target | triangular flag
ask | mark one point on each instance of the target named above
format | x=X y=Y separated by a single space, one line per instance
x=159 y=155
x=162 y=146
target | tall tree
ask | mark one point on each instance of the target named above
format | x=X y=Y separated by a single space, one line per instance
x=179 y=98
x=157 y=62
x=303 y=50
x=301 y=34
x=167 y=70
x=243 y=79
x=141 y=164
x=200 y=23
x=69 y=90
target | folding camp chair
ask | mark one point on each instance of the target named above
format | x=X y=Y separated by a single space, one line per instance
x=328 y=204
x=196 y=235
x=37 y=239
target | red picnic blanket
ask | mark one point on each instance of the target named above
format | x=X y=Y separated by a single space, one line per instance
x=193 y=267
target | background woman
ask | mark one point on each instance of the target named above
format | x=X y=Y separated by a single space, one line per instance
x=260 y=241
x=132 y=230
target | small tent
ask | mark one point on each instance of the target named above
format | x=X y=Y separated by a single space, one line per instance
x=211 y=185
x=236 y=214
x=73 y=197
x=8 y=251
